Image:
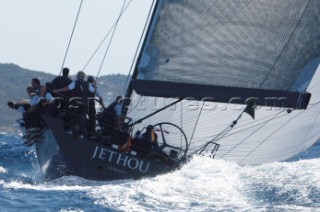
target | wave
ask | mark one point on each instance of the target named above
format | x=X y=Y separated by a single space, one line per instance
x=46 y=186
x=202 y=184
x=2 y=170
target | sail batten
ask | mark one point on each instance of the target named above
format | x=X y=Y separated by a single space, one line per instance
x=257 y=44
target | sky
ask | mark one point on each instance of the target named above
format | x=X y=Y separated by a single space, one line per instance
x=35 y=34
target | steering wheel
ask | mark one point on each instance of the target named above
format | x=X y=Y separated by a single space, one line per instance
x=172 y=141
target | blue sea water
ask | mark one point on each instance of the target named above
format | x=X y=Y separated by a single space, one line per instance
x=201 y=185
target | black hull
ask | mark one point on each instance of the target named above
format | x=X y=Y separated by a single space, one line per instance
x=59 y=155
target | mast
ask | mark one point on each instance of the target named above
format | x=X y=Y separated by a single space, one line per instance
x=149 y=31
x=135 y=72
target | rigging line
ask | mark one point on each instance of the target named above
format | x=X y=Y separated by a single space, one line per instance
x=317 y=83
x=136 y=105
x=294 y=30
x=270 y=136
x=220 y=135
x=256 y=124
x=105 y=37
x=308 y=131
x=284 y=110
x=312 y=126
x=196 y=124
x=201 y=148
x=255 y=121
x=315 y=103
x=276 y=116
x=137 y=49
x=251 y=126
x=266 y=122
x=181 y=121
x=227 y=129
x=148 y=116
x=74 y=27
x=111 y=38
x=273 y=118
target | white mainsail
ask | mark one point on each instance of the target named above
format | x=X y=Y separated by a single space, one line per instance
x=274 y=135
x=272 y=45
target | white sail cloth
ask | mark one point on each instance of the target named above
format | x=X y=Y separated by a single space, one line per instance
x=274 y=135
